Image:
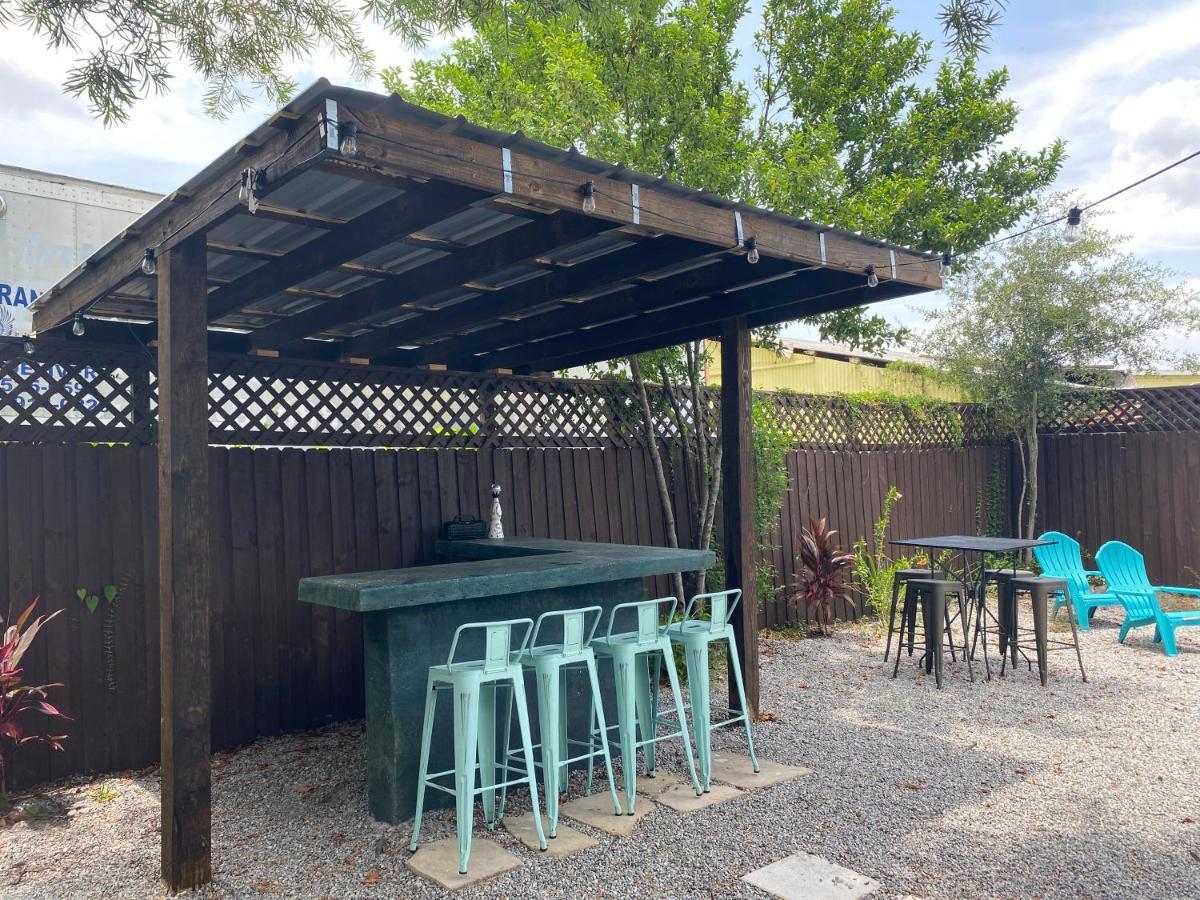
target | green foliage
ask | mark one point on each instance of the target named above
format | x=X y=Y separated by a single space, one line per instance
x=92 y=601
x=917 y=409
x=772 y=441
x=1041 y=321
x=874 y=570
x=849 y=126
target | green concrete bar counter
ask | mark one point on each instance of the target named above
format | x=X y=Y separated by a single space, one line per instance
x=409 y=618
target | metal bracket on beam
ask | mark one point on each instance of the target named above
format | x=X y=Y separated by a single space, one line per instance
x=892 y=259
x=506 y=161
x=737 y=225
x=636 y=202
x=330 y=124
x=821 y=236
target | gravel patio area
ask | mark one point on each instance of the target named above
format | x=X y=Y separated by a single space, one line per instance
x=985 y=789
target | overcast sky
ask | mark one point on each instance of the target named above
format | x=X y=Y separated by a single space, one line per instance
x=1119 y=81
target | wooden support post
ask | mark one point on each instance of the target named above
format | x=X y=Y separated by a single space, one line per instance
x=737 y=477
x=183 y=572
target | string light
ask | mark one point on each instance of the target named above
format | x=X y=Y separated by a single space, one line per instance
x=945 y=270
x=149 y=263
x=29 y=348
x=872 y=278
x=1073 y=232
x=587 y=191
x=78 y=327
x=347 y=138
x=751 y=245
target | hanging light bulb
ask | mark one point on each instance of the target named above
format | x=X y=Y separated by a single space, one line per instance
x=149 y=263
x=78 y=327
x=29 y=348
x=1073 y=231
x=872 y=278
x=751 y=245
x=587 y=191
x=944 y=270
x=347 y=139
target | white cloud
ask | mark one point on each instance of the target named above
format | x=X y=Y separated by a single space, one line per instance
x=167 y=138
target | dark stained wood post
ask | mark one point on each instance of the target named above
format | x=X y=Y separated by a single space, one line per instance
x=737 y=485
x=183 y=563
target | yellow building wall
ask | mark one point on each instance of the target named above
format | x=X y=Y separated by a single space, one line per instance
x=806 y=374
x=1174 y=379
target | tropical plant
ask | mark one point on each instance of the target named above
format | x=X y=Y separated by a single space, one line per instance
x=874 y=570
x=825 y=570
x=18 y=700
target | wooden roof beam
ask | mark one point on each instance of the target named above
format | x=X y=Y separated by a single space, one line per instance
x=405 y=148
x=411 y=211
x=664 y=329
x=595 y=274
x=519 y=245
x=633 y=300
x=284 y=155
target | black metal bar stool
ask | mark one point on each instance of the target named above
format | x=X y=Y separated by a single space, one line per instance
x=930 y=594
x=1005 y=606
x=903 y=576
x=1041 y=591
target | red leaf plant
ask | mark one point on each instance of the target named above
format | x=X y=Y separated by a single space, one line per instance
x=17 y=700
x=824 y=572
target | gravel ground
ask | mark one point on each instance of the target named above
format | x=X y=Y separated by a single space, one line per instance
x=985 y=789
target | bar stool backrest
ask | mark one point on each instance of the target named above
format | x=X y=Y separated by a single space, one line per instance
x=1125 y=571
x=649 y=613
x=498 y=654
x=578 y=627
x=721 y=606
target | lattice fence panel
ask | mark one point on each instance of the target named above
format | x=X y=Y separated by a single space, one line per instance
x=95 y=394
x=1122 y=411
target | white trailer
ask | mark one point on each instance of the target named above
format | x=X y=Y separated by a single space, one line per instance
x=48 y=224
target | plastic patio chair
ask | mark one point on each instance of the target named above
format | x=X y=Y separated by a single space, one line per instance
x=1125 y=571
x=1063 y=559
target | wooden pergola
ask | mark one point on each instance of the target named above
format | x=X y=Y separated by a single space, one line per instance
x=356 y=227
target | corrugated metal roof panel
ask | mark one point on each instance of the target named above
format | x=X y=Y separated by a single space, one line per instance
x=261 y=233
x=478 y=223
x=330 y=194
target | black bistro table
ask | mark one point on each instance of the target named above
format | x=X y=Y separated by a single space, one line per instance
x=966 y=544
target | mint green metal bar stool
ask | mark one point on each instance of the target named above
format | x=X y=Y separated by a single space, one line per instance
x=630 y=652
x=474 y=684
x=551 y=663
x=694 y=634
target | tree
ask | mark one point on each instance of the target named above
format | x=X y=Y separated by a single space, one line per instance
x=1038 y=322
x=841 y=129
x=128 y=49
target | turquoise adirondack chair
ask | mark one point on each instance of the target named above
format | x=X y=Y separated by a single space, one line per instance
x=1125 y=571
x=1063 y=559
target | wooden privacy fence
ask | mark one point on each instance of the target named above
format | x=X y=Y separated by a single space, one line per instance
x=1141 y=488
x=84 y=516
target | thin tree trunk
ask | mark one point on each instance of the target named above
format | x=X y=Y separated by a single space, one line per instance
x=1031 y=439
x=660 y=476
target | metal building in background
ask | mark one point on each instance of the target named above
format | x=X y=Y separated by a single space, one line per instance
x=48 y=224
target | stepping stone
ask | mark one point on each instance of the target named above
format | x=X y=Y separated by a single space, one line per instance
x=596 y=810
x=568 y=841
x=735 y=769
x=682 y=798
x=652 y=787
x=803 y=876
x=438 y=861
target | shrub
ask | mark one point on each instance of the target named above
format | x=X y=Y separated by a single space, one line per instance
x=824 y=570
